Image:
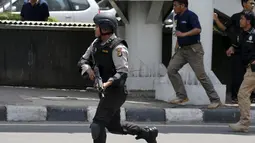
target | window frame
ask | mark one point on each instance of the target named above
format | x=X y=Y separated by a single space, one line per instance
x=67 y=2
x=73 y=9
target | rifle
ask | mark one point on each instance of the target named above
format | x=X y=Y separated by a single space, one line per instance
x=98 y=80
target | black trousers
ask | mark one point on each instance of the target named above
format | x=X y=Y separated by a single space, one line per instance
x=238 y=70
x=108 y=115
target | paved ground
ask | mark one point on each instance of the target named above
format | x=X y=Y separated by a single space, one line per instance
x=78 y=133
x=44 y=97
x=66 y=105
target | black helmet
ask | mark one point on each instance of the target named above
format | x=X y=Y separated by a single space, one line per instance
x=106 y=21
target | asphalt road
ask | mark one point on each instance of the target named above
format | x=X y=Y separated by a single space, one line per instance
x=79 y=133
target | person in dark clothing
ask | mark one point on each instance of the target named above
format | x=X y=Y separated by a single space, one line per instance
x=189 y=50
x=110 y=54
x=247 y=51
x=233 y=30
x=35 y=10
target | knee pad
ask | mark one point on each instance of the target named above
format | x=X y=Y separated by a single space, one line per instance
x=96 y=130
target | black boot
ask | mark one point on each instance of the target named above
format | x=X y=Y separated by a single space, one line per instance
x=149 y=134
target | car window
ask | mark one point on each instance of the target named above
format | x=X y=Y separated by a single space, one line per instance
x=18 y=4
x=79 y=4
x=2 y=2
x=105 y=5
x=58 y=5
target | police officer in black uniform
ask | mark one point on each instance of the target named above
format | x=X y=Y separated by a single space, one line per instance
x=111 y=57
x=247 y=49
x=233 y=30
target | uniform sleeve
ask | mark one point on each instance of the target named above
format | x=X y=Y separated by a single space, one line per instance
x=46 y=13
x=85 y=62
x=253 y=50
x=234 y=43
x=120 y=59
x=194 y=21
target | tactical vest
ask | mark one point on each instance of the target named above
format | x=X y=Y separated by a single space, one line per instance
x=103 y=57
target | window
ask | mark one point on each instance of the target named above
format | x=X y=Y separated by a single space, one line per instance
x=105 y=5
x=79 y=4
x=58 y=5
x=16 y=6
x=2 y=2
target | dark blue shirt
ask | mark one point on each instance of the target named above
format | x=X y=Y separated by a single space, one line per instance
x=38 y=12
x=186 y=22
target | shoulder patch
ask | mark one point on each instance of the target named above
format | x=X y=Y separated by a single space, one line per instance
x=119 y=52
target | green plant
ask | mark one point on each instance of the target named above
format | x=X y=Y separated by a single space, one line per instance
x=14 y=16
x=51 y=19
x=9 y=16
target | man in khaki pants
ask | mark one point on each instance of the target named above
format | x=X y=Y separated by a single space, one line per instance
x=247 y=44
x=191 y=51
x=233 y=29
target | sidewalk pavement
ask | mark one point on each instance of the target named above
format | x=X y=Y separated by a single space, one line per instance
x=28 y=105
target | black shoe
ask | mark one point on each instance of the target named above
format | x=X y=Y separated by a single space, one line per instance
x=149 y=134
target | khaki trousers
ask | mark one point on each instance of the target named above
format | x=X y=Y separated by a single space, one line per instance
x=247 y=87
x=192 y=55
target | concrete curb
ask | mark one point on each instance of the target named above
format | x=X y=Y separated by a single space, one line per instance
x=27 y=113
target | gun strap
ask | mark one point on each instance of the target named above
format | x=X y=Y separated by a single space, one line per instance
x=93 y=52
x=113 y=43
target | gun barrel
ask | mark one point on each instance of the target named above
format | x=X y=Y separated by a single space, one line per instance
x=99 y=81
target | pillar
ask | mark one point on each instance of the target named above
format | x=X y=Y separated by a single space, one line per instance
x=204 y=10
x=145 y=45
